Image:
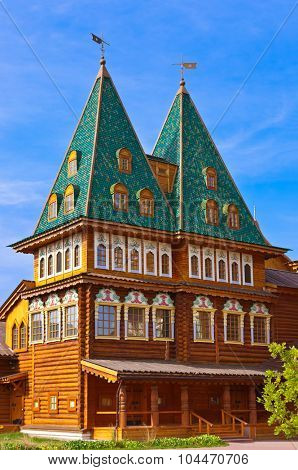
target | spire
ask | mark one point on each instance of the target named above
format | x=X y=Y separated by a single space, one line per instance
x=185 y=141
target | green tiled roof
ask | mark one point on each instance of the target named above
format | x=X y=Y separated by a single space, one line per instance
x=185 y=140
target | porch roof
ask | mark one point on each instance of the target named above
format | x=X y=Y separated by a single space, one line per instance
x=19 y=376
x=117 y=369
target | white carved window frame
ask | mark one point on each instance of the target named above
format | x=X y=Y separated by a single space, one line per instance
x=101 y=238
x=115 y=302
x=234 y=257
x=59 y=249
x=222 y=255
x=194 y=250
x=195 y=312
x=51 y=251
x=158 y=305
x=144 y=304
x=118 y=241
x=208 y=253
x=47 y=311
x=266 y=317
x=241 y=315
x=165 y=248
x=42 y=254
x=77 y=241
x=150 y=246
x=247 y=259
x=66 y=337
x=134 y=244
x=67 y=243
x=31 y=313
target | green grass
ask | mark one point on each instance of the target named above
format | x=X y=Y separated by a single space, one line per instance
x=18 y=441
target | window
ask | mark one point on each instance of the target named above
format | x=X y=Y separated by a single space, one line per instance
x=221 y=270
x=233 y=327
x=247 y=274
x=163 y=316
x=260 y=335
x=163 y=323
x=203 y=319
x=235 y=272
x=120 y=197
x=208 y=268
x=195 y=265
x=52 y=210
x=50 y=265
x=101 y=256
x=36 y=327
x=165 y=264
x=136 y=322
x=118 y=258
x=77 y=260
x=72 y=164
x=259 y=324
x=105 y=321
x=72 y=404
x=233 y=217
x=69 y=199
x=233 y=322
x=71 y=321
x=150 y=262
x=203 y=326
x=211 y=178
x=15 y=337
x=134 y=260
x=53 y=325
x=59 y=262
x=23 y=336
x=36 y=405
x=247 y=269
x=53 y=403
x=124 y=160
x=211 y=212
x=41 y=268
x=146 y=203
x=67 y=260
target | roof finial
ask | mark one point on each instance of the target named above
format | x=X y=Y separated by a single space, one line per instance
x=102 y=43
x=183 y=66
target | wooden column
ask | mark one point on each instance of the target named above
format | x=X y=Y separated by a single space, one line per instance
x=184 y=406
x=122 y=407
x=226 y=403
x=154 y=406
x=252 y=404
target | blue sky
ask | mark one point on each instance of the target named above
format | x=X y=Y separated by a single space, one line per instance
x=257 y=136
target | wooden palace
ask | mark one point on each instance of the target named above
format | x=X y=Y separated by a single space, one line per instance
x=155 y=294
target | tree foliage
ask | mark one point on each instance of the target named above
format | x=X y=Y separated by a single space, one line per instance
x=280 y=395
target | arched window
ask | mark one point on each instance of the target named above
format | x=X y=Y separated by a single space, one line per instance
x=50 y=265
x=67 y=259
x=41 y=268
x=72 y=163
x=23 y=336
x=15 y=337
x=69 y=199
x=194 y=261
x=52 y=208
x=247 y=274
x=222 y=270
x=233 y=217
x=101 y=255
x=165 y=264
x=208 y=268
x=150 y=265
x=118 y=258
x=134 y=260
x=59 y=262
x=124 y=160
x=211 y=178
x=212 y=212
x=120 y=197
x=77 y=261
x=235 y=272
x=146 y=203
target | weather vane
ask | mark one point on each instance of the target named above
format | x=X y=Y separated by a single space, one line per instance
x=186 y=66
x=101 y=42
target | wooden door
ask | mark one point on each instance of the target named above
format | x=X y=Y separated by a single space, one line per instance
x=136 y=403
x=16 y=408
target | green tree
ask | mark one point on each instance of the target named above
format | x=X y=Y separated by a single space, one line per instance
x=280 y=395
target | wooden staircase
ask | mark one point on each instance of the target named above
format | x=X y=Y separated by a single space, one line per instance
x=230 y=428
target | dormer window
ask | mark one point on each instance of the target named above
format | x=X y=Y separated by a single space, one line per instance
x=146 y=203
x=52 y=210
x=120 y=197
x=72 y=163
x=233 y=217
x=211 y=178
x=124 y=160
x=211 y=212
x=69 y=199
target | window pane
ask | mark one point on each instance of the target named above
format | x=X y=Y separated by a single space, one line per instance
x=54 y=324
x=233 y=327
x=259 y=330
x=77 y=256
x=163 y=323
x=15 y=338
x=203 y=325
x=23 y=336
x=150 y=262
x=106 y=319
x=71 y=320
x=136 y=322
x=67 y=259
x=36 y=326
x=118 y=258
x=194 y=265
x=134 y=260
x=247 y=274
x=235 y=272
x=208 y=268
x=222 y=270
x=165 y=264
x=59 y=262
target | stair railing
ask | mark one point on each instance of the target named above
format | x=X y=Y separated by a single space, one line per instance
x=243 y=424
x=201 y=422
